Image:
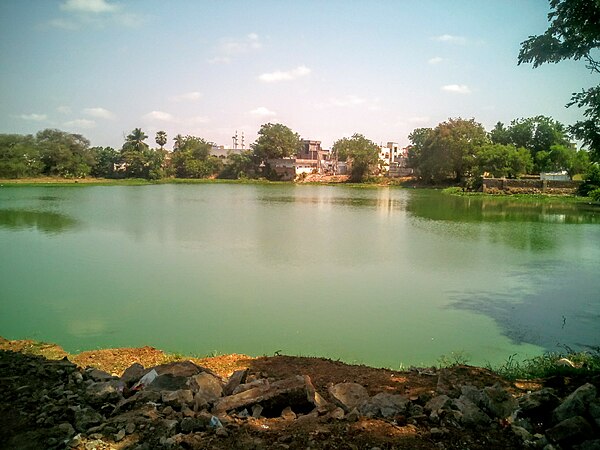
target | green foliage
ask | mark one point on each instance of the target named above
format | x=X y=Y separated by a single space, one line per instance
x=551 y=364
x=458 y=358
x=19 y=156
x=161 y=138
x=595 y=195
x=502 y=161
x=64 y=154
x=192 y=159
x=561 y=157
x=591 y=181
x=135 y=141
x=275 y=141
x=449 y=150
x=105 y=159
x=573 y=33
x=238 y=165
x=418 y=138
x=361 y=152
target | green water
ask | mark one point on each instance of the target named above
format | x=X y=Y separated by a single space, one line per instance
x=385 y=277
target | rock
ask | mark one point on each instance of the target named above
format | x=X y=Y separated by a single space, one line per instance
x=538 y=402
x=594 y=410
x=384 y=405
x=132 y=374
x=177 y=399
x=521 y=432
x=98 y=375
x=130 y=428
x=170 y=426
x=313 y=396
x=179 y=369
x=349 y=395
x=263 y=383
x=472 y=394
x=275 y=397
x=139 y=398
x=575 y=404
x=120 y=435
x=104 y=392
x=190 y=425
x=437 y=404
x=471 y=415
x=187 y=412
x=337 y=414
x=256 y=411
x=65 y=430
x=288 y=414
x=238 y=377
x=353 y=415
x=86 y=418
x=206 y=385
x=221 y=432
x=570 y=431
x=498 y=401
x=168 y=382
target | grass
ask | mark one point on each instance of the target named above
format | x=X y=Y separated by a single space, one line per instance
x=524 y=198
x=551 y=364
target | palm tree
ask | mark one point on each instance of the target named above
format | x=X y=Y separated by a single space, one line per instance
x=135 y=140
x=179 y=140
x=161 y=138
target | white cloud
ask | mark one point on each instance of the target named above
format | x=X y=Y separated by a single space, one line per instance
x=293 y=74
x=64 y=109
x=228 y=48
x=435 y=60
x=159 y=115
x=450 y=39
x=196 y=120
x=89 y=6
x=457 y=88
x=34 y=117
x=80 y=123
x=261 y=111
x=100 y=113
x=188 y=96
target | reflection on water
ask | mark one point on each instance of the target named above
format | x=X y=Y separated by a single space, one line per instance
x=47 y=222
x=486 y=209
x=542 y=307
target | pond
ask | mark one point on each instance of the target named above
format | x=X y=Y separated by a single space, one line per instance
x=380 y=276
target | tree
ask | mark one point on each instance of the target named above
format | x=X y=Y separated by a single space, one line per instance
x=361 y=152
x=500 y=134
x=105 y=159
x=417 y=138
x=238 y=165
x=135 y=141
x=191 y=158
x=19 y=156
x=64 y=154
x=275 y=141
x=573 y=33
x=449 y=151
x=161 y=138
x=502 y=160
x=561 y=157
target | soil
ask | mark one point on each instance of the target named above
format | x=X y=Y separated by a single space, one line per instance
x=310 y=431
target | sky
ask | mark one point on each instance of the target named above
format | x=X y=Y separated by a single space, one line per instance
x=326 y=69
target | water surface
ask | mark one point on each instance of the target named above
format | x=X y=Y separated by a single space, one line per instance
x=385 y=277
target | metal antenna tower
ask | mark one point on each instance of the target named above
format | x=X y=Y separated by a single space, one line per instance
x=235 y=139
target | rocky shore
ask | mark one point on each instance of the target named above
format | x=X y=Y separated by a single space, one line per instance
x=281 y=402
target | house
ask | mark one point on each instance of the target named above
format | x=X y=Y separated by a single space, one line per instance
x=223 y=153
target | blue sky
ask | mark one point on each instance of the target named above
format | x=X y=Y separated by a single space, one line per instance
x=326 y=69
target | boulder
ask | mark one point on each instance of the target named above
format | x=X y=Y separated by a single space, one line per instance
x=132 y=374
x=206 y=386
x=575 y=404
x=104 y=392
x=588 y=445
x=472 y=394
x=273 y=398
x=538 y=402
x=470 y=414
x=86 y=418
x=349 y=395
x=238 y=377
x=168 y=382
x=177 y=399
x=594 y=410
x=98 y=375
x=499 y=402
x=384 y=405
x=569 y=431
x=438 y=404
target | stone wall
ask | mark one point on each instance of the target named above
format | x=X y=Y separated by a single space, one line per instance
x=529 y=186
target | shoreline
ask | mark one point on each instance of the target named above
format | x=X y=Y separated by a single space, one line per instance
x=89 y=400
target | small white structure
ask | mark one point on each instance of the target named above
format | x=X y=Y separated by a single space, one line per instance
x=555 y=176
